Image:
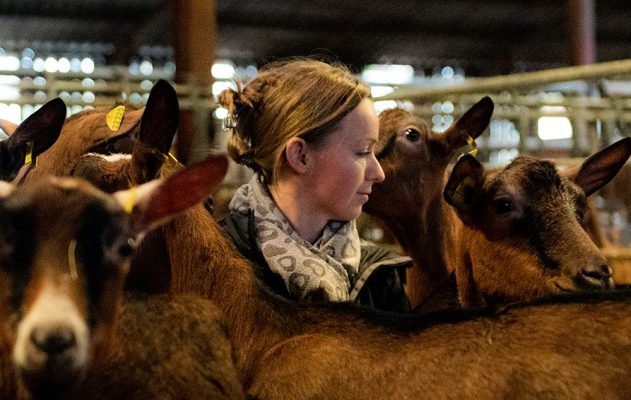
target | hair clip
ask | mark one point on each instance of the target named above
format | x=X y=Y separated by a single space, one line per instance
x=229 y=122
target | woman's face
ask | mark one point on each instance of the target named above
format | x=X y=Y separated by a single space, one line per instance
x=345 y=167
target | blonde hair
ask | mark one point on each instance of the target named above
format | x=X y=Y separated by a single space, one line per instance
x=304 y=98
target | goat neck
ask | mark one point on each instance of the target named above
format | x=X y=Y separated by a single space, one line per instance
x=409 y=201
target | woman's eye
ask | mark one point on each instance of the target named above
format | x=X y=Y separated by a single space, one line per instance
x=364 y=153
x=412 y=134
x=502 y=206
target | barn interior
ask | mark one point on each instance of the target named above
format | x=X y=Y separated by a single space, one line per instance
x=559 y=72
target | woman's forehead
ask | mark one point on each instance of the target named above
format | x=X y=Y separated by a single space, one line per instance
x=359 y=126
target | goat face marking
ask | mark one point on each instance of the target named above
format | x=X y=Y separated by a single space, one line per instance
x=52 y=339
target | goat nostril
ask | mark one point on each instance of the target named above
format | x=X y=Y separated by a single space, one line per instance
x=53 y=341
x=597 y=275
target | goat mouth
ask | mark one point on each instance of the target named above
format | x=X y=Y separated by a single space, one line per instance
x=594 y=283
x=54 y=379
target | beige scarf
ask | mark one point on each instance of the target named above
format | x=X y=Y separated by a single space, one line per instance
x=326 y=266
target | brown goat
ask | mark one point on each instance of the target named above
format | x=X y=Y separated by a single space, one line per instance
x=145 y=161
x=84 y=132
x=148 y=152
x=512 y=235
x=64 y=253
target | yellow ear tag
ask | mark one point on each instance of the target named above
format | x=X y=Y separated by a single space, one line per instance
x=131 y=200
x=29 y=153
x=115 y=117
x=170 y=157
x=470 y=141
x=72 y=260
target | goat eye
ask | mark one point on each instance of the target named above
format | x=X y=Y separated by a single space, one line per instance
x=580 y=216
x=502 y=206
x=412 y=134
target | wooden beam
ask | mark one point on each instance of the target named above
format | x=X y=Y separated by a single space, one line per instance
x=521 y=81
x=194 y=35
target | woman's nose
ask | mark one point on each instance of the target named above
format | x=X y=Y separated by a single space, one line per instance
x=375 y=171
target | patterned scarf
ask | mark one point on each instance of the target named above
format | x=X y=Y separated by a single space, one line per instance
x=325 y=267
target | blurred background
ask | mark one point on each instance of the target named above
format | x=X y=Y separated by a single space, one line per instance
x=559 y=72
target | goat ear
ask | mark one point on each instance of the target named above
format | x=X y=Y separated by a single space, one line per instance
x=158 y=201
x=597 y=170
x=7 y=127
x=157 y=130
x=42 y=128
x=36 y=134
x=464 y=187
x=471 y=124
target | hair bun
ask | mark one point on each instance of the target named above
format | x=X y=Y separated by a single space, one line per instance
x=227 y=99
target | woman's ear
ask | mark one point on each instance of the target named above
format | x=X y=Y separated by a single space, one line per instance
x=296 y=153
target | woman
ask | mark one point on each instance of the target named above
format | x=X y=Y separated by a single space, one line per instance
x=308 y=130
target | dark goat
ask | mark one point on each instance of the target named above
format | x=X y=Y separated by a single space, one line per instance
x=65 y=248
x=510 y=235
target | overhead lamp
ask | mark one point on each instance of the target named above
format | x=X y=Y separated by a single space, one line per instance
x=9 y=63
x=396 y=74
x=380 y=90
x=223 y=70
x=554 y=127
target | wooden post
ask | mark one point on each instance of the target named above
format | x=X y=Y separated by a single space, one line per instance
x=194 y=35
x=581 y=31
x=582 y=50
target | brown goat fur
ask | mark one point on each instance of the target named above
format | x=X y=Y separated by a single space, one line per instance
x=291 y=350
x=144 y=160
x=65 y=248
x=510 y=235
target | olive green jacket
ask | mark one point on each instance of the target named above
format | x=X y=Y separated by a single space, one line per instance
x=377 y=284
